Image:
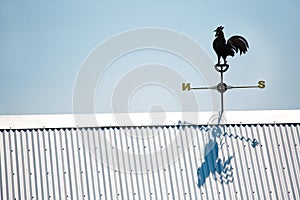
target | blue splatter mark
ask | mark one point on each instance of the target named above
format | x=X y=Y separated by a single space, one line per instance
x=218 y=132
x=212 y=164
x=254 y=142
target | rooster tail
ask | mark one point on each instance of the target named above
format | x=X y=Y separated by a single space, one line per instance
x=238 y=44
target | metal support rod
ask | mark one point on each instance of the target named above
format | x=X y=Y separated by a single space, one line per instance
x=202 y=88
x=221 y=77
x=222 y=103
x=238 y=87
x=222 y=95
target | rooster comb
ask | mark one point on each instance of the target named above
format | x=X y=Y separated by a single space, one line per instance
x=220 y=28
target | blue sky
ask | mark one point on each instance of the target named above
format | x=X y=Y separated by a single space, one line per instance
x=43 y=46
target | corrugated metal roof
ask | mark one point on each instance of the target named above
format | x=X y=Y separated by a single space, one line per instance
x=151 y=162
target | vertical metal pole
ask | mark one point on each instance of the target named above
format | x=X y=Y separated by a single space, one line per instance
x=222 y=97
x=222 y=103
x=222 y=92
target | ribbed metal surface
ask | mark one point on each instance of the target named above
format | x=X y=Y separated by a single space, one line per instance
x=55 y=164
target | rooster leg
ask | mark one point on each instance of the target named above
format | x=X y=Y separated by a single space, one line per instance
x=219 y=60
x=225 y=61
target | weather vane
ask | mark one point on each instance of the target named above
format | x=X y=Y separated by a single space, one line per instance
x=223 y=49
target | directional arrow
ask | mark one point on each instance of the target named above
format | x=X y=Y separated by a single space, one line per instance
x=222 y=87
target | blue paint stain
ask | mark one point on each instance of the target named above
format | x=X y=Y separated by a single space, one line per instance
x=213 y=165
x=219 y=133
x=221 y=170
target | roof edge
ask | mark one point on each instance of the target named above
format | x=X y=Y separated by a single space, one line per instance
x=146 y=119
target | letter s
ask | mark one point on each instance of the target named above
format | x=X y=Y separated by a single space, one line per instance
x=261 y=84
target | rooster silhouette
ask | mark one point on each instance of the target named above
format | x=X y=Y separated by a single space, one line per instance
x=233 y=45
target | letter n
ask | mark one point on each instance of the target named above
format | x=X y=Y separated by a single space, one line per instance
x=186 y=86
